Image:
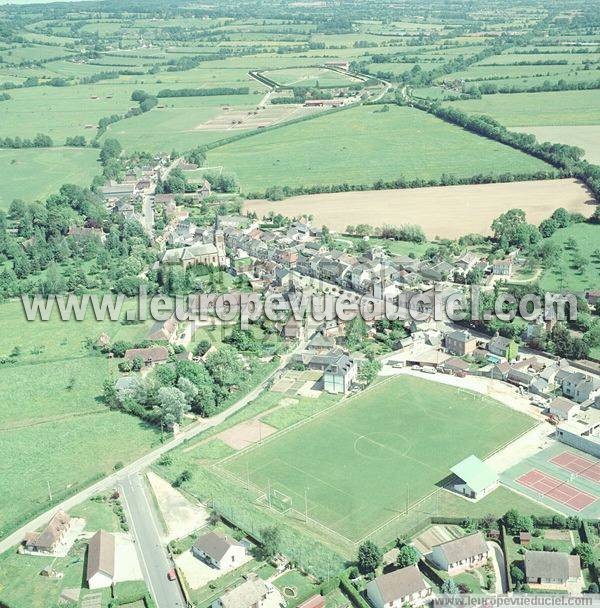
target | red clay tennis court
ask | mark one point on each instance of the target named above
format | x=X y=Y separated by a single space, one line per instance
x=556 y=489
x=584 y=467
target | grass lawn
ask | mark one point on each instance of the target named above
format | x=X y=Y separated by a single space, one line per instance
x=295 y=587
x=21 y=585
x=309 y=77
x=361 y=145
x=406 y=430
x=562 y=274
x=176 y=124
x=537 y=109
x=52 y=420
x=34 y=173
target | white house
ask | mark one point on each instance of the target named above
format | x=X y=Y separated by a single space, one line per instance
x=398 y=588
x=456 y=556
x=101 y=560
x=551 y=568
x=476 y=479
x=219 y=551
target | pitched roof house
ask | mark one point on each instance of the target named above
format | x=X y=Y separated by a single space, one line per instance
x=50 y=537
x=456 y=556
x=219 y=550
x=551 y=568
x=150 y=355
x=399 y=588
x=101 y=560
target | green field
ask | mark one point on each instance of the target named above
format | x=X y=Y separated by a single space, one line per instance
x=361 y=145
x=34 y=173
x=309 y=77
x=52 y=420
x=406 y=431
x=175 y=125
x=538 y=109
x=561 y=274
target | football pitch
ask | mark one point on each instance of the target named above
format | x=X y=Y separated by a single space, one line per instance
x=361 y=464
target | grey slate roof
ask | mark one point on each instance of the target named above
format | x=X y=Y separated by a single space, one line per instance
x=400 y=583
x=215 y=545
x=101 y=554
x=550 y=564
x=463 y=548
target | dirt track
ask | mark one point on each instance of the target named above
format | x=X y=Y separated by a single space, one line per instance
x=448 y=212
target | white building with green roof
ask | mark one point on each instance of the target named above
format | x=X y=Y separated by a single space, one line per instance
x=476 y=479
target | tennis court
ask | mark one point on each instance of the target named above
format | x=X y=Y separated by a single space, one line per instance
x=560 y=477
x=557 y=490
x=584 y=467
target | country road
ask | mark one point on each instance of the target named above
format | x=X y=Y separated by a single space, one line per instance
x=154 y=561
x=138 y=465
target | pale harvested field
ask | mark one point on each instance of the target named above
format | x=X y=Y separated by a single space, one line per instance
x=447 y=212
x=253 y=118
x=586 y=137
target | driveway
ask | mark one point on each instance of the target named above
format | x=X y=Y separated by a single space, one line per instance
x=197 y=573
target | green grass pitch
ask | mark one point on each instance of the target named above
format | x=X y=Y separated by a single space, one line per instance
x=358 y=465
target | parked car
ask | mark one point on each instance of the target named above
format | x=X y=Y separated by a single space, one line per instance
x=171 y=574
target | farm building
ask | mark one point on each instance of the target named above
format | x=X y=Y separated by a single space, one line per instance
x=551 y=568
x=219 y=550
x=476 y=478
x=402 y=587
x=101 y=560
x=164 y=330
x=456 y=556
x=150 y=355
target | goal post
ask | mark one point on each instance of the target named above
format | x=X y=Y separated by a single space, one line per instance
x=279 y=500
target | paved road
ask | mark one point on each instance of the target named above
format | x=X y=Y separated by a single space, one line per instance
x=153 y=556
x=116 y=478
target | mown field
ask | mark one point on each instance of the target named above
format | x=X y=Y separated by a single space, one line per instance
x=407 y=431
x=538 y=109
x=562 y=273
x=53 y=422
x=361 y=145
x=34 y=173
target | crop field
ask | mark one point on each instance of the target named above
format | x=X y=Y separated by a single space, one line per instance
x=407 y=431
x=538 y=109
x=586 y=137
x=361 y=145
x=32 y=174
x=472 y=207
